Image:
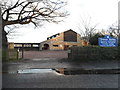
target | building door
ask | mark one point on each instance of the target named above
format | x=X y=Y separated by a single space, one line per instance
x=66 y=47
x=46 y=47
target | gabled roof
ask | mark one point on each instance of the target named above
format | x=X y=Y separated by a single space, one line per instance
x=59 y=33
x=70 y=30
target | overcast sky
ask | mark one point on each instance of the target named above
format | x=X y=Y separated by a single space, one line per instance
x=102 y=12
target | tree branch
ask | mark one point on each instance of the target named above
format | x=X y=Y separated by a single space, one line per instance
x=46 y=11
x=23 y=9
x=7 y=10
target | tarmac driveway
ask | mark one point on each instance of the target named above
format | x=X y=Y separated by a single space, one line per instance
x=44 y=54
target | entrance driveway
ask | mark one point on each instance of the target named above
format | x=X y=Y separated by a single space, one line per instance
x=44 y=54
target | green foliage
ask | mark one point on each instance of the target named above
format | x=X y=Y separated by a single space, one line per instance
x=119 y=41
x=13 y=54
x=94 y=39
x=4 y=54
x=109 y=53
x=118 y=56
x=9 y=55
x=94 y=53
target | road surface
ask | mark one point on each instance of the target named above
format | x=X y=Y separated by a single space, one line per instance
x=12 y=79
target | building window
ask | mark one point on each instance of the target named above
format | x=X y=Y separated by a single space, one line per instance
x=70 y=36
x=53 y=36
x=55 y=45
x=74 y=45
x=61 y=45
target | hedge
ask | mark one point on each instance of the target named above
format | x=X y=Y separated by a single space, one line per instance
x=94 y=53
x=9 y=54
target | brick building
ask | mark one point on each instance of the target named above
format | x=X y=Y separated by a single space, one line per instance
x=62 y=41
x=59 y=41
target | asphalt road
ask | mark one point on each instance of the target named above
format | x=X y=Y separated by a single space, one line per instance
x=54 y=80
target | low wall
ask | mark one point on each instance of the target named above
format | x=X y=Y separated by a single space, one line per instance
x=94 y=53
x=10 y=54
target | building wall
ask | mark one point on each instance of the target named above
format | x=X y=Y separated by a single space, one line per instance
x=84 y=43
x=10 y=45
x=58 y=40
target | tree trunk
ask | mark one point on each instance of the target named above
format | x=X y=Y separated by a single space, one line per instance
x=4 y=39
x=4 y=45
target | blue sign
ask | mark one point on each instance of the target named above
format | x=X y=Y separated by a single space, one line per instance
x=108 y=41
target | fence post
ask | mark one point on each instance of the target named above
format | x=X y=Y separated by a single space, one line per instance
x=17 y=54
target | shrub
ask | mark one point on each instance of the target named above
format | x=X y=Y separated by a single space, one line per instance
x=94 y=53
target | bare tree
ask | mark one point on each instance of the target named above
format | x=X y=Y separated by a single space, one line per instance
x=113 y=29
x=26 y=12
x=87 y=28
